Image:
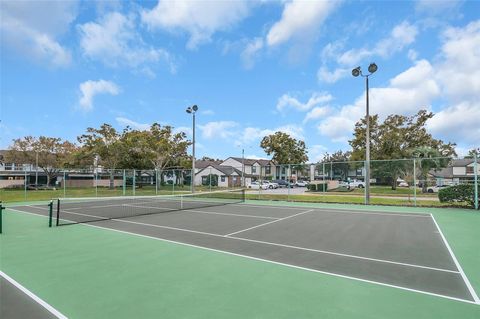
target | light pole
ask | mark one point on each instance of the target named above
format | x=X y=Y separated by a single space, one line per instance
x=192 y=110
x=372 y=68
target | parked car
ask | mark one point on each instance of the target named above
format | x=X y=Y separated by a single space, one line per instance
x=270 y=184
x=436 y=188
x=356 y=183
x=301 y=183
x=402 y=184
x=282 y=183
x=257 y=185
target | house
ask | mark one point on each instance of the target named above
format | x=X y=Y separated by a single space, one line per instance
x=257 y=168
x=219 y=175
x=460 y=171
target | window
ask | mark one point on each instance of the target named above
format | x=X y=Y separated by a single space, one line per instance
x=268 y=170
x=254 y=169
x=359 y=172
x=223 y=178
x=469 y=169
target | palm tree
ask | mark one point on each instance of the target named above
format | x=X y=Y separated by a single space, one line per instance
x=429 y=159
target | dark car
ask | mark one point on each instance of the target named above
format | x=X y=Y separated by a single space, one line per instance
x=282 y=183
x=37 y=187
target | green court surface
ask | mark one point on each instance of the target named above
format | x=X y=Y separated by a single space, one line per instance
x=88 y=272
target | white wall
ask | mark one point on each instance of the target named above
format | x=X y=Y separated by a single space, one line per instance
x=210 y=170
x=236 y=164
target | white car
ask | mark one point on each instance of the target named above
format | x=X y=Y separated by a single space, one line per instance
x=435 y=189
x=270 y=184
x=402 y=184
x=257 y=185
x=356 y=183
x=301 y=183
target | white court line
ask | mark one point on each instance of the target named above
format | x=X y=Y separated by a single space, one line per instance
x=271 y=222
x=343 y=210
x=269 y=261
x=34 y=297
x=205 y=212
x=459 y=267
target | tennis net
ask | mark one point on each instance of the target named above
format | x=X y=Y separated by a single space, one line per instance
x=86 y=210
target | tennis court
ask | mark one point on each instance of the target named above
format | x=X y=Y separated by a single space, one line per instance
x=405 y=251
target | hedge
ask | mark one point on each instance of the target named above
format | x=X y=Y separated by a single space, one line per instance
x=317 y=187
x=458 y=193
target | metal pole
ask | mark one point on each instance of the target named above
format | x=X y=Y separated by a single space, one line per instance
x=289 y=176
x=475 y=169
x=243 y=167
x=323 y=173
x=124 y=183
x=25 y=176
x=64 y=185
x=367 y=147
x=36 y=168
x=414 y=184
x=133 y=183
x=193 y=153
x=156 y=182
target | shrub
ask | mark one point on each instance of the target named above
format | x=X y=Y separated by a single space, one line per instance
x=317 y=187
x=458 y=193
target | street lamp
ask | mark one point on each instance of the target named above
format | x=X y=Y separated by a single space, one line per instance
x=372 y=68
x=192 y=110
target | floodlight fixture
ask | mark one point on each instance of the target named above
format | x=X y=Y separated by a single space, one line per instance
x=372 y=68
x=356 y=71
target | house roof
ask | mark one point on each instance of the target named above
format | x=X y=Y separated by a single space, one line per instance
x=447 y=172
x=227 y=170
x=202 y=164
x=251 y=161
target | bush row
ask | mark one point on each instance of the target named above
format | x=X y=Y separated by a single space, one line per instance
x=458 y=193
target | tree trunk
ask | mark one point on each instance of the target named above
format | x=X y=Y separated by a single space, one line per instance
x=112 y=180
x=394 y=182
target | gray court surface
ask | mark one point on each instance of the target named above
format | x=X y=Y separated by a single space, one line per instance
x=404 y=251
x=15 y=304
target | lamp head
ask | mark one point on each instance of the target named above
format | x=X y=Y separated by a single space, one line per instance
x=189 y=110
x=195 y=108
x=356 y=71
x=372 y=68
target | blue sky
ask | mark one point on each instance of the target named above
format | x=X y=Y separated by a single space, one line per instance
x=252 y=67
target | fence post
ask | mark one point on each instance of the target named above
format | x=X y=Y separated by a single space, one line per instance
x=64 y=184
x=323 y=173
x=124 y=183
x=156 y=182
x=25 y=177
x=475 y=170
x=133 y=182
x=414 y=183
x=289 y=176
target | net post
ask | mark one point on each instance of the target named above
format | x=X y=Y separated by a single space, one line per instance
x=58 y=212
x=1 y=216
x=475 y=170
x=50 y=213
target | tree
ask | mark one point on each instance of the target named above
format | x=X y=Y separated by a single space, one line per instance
x=341 y=161
x=285 y=149
x=50 y=153
x=105 y=144
x=429 y=159
x=473 y=152
x=395 y=138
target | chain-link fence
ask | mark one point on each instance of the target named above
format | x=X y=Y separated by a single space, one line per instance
x=435 y=182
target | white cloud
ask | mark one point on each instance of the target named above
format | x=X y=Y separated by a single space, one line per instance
x=459 y=73
x=135 y=125
x=316 y=152
x=412 y=55
x=317 y=113
x=436 y=6
x=287 y=101
x=220 y=129
x=408 y=92
x=299 y=19
x=200 y=19
x=32 y=28
x=251 y=134
x=251 y=51
x=401 y=36
x=331 y=77
x=91 y=88
x=115 y=42
x=459 y=123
